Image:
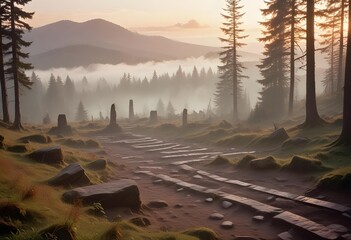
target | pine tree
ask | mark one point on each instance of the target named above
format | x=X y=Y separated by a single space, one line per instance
x=231 y=69
x=82 y=114
x=170 y=110
x=160 y=108
x=345 y=136
x=275 y=64
x=333 y=34
x=16 y=66
x=312 y=116
x=4 y=15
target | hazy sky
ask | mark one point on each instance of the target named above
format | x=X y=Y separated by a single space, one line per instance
x=151 y=16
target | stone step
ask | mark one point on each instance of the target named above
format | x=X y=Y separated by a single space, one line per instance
x=190 y=155
x=302 y=199
x=132 y=140
x=178 y=163
x=256 y=206
x=162 y=149
x=152 y=146
x=236 y=153
x=185 y=151
x=182 y=148
x=147 y=144
x=315 y=230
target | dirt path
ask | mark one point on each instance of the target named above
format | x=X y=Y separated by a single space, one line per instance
x=187 y=207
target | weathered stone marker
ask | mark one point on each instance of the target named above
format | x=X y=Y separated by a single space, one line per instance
x=62 y=127
x=113 y=115
x=131 y=109
x=185 y=117
x=153 y=117
x=113 y=127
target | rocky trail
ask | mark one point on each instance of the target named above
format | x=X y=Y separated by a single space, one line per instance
x=184 y=191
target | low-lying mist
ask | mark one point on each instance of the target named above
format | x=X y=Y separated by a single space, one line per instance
x=175 y=83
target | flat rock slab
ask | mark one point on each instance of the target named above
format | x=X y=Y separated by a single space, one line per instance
x=48 y=155
x=189 y=161
x=72 y=175
x=259 y=207
x=157 y=204
x=338 y=228
x=163 y=148
x=191 y=155
x=216 y=216
x=121 y=193
x=307 y=226
x=227 y=225
x=185 y=151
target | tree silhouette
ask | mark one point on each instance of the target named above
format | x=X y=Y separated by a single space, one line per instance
x=231 y=68
x=4 y=15
x=274 y=66
x=345 y=136
x=82 y=114
x=16 y=66
x=312 y=117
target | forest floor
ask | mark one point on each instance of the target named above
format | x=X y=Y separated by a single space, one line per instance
x=180 y=165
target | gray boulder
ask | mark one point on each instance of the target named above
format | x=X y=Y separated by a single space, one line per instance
x=73 y=175
x=279 y=135
x=49 y=155
x=121 y=193
x=99 y=164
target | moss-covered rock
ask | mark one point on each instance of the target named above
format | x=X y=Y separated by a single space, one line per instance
x=202 y=233
x=220 y=161
x=303 y=164
x=37 y=138
x=244 y=162
x=265 y=163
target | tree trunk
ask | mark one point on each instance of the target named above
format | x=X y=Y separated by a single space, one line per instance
x=5 y=110
x=312 y=117
x=17 y=122
x=341 y=48
x=345 y=137
x=292 y=59
x=235 y=70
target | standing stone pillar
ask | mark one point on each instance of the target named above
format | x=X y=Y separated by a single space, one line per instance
x=131 y=109
x=61 y=121
x=113 y=116
x=153 y=117
x=185 y=117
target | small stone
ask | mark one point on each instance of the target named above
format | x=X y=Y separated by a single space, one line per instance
x=157 y=204
x=180 y=189
x=140 y=221
x=216 y=216
x=258 y=218
x=271 y=199
x=198 y=177
x=158 y=181
x=321 y=197
x=226 y=204
x=209 y=200
x=227 y=225
x=178 y=205
x=286 y=236
x=338 y=228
